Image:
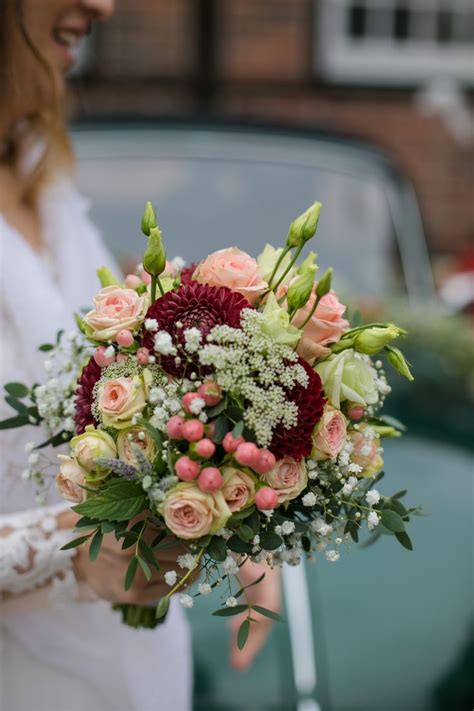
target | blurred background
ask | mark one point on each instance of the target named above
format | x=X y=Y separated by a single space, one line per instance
x=233 y=116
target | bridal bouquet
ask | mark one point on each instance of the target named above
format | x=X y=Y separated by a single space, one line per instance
x=228 y=406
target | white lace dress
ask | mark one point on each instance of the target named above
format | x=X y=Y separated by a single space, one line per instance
x=57 y=653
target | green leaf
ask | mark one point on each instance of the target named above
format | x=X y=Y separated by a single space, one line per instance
x=158 y=538
x=393 y=422
x=131 y=572
x=162 y=607
x=236 y=545
x=118 y=501
x=17 y=389
x=268 y=613
x=229 y=611
x=250 y=585
x=46 y=347
x=107 y=527
x=145 y=567
x=56 y=440
x=392 y=521
x=246 y=533
x=216 y=410
x=269 y=541
x=403 y=538
x=12 y=422
x=217 y=549
x=75 y=542
x=16 y=404
x=85 y=523
x=400 y=494
x=243 y=634
x=95 y=545
x=221 y=429
x=148 y=554
x=352 y=528
x=238 y=429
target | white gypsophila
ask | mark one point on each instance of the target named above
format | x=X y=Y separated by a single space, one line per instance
x=187 y=560
x=332 y=556
x=186 y=601
x=163 y=344
x=230 y=566
x=231 y=601
x=205 y=589
x=309 y=499
x=320 y=526
x=151 y=324
x=349 y=486
x=178 y=263
x=171 y=577
x=249 y=365
x=287 y=528
x=192 y=340
x=354 y=468
x=373 y=520
x=29 y=446
x=197 y=405
x=372 y=497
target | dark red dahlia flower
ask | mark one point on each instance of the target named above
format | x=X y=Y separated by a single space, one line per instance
x=186 y=274
x=297 y=441
x=193 y=305
x=86 y=381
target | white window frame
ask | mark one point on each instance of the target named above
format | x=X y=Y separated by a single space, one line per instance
x=340 y=58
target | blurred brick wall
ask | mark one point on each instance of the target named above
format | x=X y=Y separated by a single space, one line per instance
x=147 y=63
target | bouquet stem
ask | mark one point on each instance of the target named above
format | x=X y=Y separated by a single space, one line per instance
x=138 y=615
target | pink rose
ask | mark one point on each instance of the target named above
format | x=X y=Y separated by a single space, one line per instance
x=329 y=435
x=288 y=477
x=325 y=326
x=71 y=479
x=366 y=450
x=119 y=399
x=238 y=488
x=115 y=309
x=232 y=268
x=191 y=513
x=135 y=436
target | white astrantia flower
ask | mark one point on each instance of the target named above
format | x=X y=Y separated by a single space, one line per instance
x=186 y=601
x=151 y=324
x=373 y=520
x=187 y=560
x=171 y=577
x=204 y=588
x=332 y=556
x=372 y=497
x=287 y=527
x=163 y=344
x=231 y=601
x=309 y=499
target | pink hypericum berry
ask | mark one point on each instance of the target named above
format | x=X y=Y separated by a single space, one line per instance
x=266 y=462
x=205 y=448
x=187 y=469
x=192 y=430
x=101 y=359
x=266 y=499
x=210 y=429
x=230 y=443
x=142 y=356
x=124 y=338
x=210 y=479
x=355 y=412
x=247 y=454
x=121 y=358
x=145 y=277
x=132 y=281
x=174 y=427
x=187 y=400
x=210 y=393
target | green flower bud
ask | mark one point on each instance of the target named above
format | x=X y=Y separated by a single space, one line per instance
x=154 y=257
x=304 y=227
x=397 y=360
x=106 y=277
x=276 y=324
x=373 y=339
x=148 y=219
x=324 y=284
x=308 y=262
x=300 y=289
x=386 y=431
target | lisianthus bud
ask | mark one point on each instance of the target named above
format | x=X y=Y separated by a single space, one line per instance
x=371 y=340
x=324 y=284
x=276 y=323
x=300 y=289
x=308 y=262
x=106 y=277
x=148 y=219
x=154 y=257
x=304 y=227
x=397 y=360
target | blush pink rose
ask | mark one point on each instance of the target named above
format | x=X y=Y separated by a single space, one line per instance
x=288 y=477
x=191 y=513
x=366 y=452
x=232 y=268
x=71 y=479
x=119 y=399
x=115 y=309
x=238 y=488
x=329 y=435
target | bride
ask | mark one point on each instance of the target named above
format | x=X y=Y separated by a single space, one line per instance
x=62 y=648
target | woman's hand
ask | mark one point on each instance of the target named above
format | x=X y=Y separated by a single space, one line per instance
x=266 y=594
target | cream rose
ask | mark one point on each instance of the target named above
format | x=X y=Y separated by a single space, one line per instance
x=90 y=445
x=70 y=479
x=135 y=436
x=115 y=309
x=329 y=435
x=366 y=451
x=288 y=477
x=232 y=268
x=191 y=513
x=238 y=488
x=348 y=376
x=119 y=399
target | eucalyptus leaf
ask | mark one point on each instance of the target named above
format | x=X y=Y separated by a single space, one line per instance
x=74 y=543
x=269 y=541
x=236 y=545
x=230 y=611
x=217 y=549
x=243 y=634
x=131 y=572
x=392 y=521
x=95 y=545
x=404 y=539
x=16 y=404
x=238 y=429
x=12 y=422
x=17 y=389
x=268 y=613
x=145 y=567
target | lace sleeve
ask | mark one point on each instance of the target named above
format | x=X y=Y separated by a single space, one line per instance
x=30 y=555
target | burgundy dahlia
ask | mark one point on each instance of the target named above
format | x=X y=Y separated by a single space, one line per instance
x=193 y=305
x=186 y=274
x=297 y=441
x=86 y=381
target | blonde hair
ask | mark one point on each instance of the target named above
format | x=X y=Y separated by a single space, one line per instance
x=35 y=114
